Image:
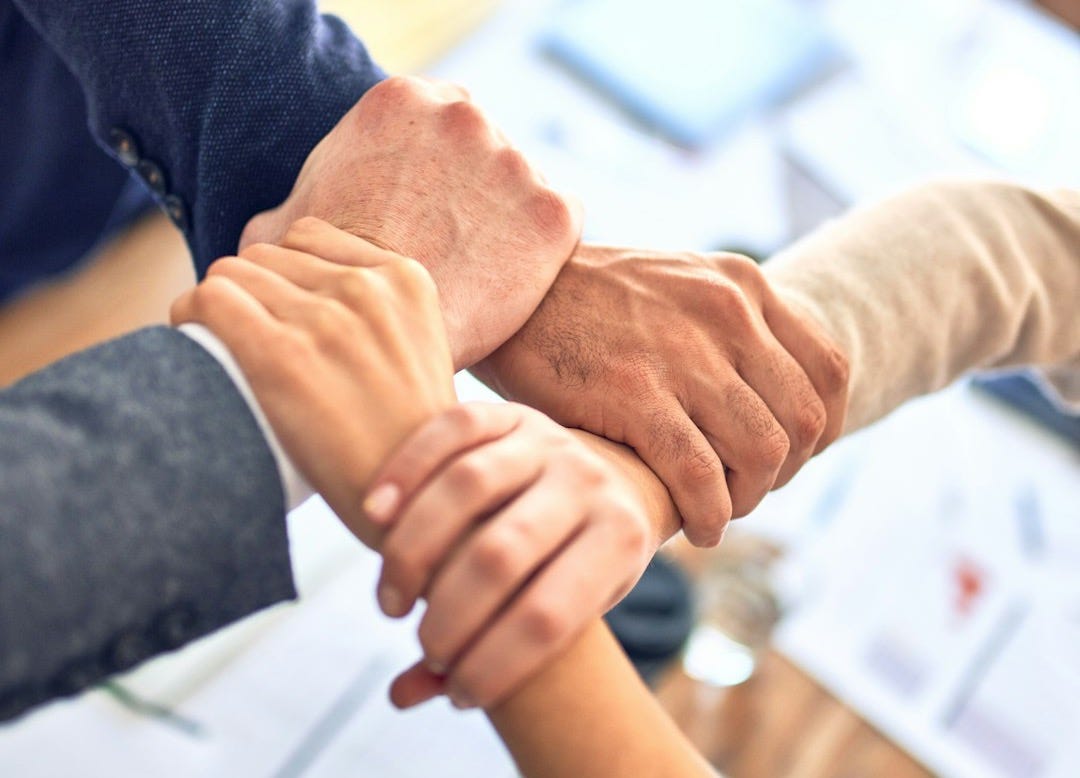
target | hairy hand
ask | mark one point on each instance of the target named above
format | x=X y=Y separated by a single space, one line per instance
x=343 y=345
x=692 y=360
x=417 y=168
x=518 y=536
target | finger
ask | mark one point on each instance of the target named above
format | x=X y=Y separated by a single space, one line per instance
x=279 y=296
x=415 y=686
x=678 y=452
x=487 y=571
x=239 y=320
x=751 y=443
x=783 y=385
x=315 y=236
x=181 y=311
x=300 y=268
x=443 y=437
x=824 y=364
x=554 y=609
x=464 y=492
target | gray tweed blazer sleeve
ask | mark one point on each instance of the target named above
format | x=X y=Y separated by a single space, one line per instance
x=140 y=508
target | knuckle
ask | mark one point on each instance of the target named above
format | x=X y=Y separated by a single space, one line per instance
x=328 y=325
x=737 y=311
x=470 y=476
x=810 y=421
x=512 y=164
x=214 y=288
x=402 y=565
x=414 y=276
x=354 y=287
x=633 y=532
x=544 y=623
x=591 y=473
x=463 y=118
x=702 y=467
x=772 y=449
x=495 y=556
x=219 y=267
x=293 y=352
x=305 y=226
x=636 y=376
x=393 y=87
x=468 y=420
x=742 y=270
x=836 y=371
x=550 y=211
x=722 y=291
x=257 y=251
x=478 y=684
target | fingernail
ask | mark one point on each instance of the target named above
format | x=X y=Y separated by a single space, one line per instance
x=460 y=699
x=391 y=600
x=381 y=503
x=438 y=668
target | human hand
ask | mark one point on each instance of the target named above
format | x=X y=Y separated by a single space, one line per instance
x=516 y=533
x=692 y=360
x=417 y=168
x=343 y=345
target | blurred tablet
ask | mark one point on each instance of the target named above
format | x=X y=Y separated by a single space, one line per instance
x=690 y=68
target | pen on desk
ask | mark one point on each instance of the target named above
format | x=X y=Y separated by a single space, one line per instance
x=143 y=707
x=361 y=690
x=1029 y=522
x=1007 y=627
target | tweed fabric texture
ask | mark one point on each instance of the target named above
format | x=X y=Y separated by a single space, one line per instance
x=140 y=508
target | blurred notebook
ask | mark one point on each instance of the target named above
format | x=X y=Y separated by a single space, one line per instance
x=690 y=68
x=1022 y=391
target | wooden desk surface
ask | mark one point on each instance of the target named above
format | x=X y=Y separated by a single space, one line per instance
x=128 y=284
x=781 y=724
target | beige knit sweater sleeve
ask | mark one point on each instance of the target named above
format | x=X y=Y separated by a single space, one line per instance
x=946 y=278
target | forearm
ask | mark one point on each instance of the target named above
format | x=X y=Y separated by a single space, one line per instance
x=938 y=281
x=588 y=714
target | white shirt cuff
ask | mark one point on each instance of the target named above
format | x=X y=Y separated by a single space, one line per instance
x=294 y=485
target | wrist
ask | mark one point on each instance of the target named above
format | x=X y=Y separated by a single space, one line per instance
x=294 y=486
x=648 y=489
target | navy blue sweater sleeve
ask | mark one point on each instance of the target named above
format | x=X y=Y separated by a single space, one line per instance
x=215 y=103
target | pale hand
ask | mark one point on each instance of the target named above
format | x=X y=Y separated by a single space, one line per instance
x=343 y=345
x=417 y=168
x=516 y=533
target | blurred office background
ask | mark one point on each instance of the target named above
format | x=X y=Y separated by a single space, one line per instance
x=909 y=606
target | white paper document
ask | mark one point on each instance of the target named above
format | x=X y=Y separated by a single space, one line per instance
x=941 y=597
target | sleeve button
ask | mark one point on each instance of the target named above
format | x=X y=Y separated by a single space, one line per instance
x=153 y=175
x=127 y=651
x=76 y=676
x=177 y=211
x=176 y=627
x=124 y=146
